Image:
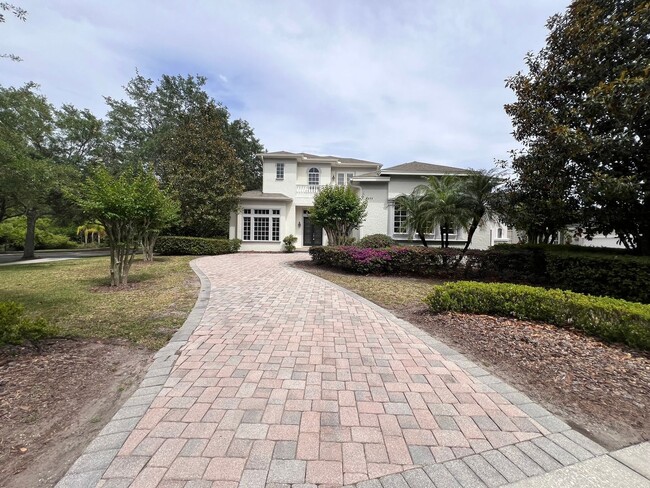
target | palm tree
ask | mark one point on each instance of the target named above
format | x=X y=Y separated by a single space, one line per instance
x=92 y=229
x=478 y=193
x=415 y=223
x=442 y=205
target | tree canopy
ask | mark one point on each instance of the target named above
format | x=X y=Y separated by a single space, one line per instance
x=188 y=140
x=582 y=115
x=339 y=210
x=128 y=206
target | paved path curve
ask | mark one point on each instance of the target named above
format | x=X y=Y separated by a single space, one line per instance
x=280 y=378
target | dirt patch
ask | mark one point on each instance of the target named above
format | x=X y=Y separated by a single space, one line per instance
x=600 y=389
x=115 y=289
x=53 y=402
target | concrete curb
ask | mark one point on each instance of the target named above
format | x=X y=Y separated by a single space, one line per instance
x=89 y=468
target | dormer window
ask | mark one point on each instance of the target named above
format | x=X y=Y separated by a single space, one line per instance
x=313 y=176
x=279 y=171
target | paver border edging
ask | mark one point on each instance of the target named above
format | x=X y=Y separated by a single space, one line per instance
x=89 y=468
x=566 y=441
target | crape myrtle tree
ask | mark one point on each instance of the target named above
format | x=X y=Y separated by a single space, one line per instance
x=128 y=206
x=339 y=210
x=582 y=115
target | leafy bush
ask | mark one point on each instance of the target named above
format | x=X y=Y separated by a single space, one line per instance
x=195 y=246
x=376 y=241
x=607 y=318
x=395 y=260
x=289 y=243
x=47 y=234
x=16 y=329
x=625 y=277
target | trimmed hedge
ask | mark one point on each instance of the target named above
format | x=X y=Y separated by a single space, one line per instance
x=607 y=274
x=376 y=241
x=609 y=319
x=195 y=246
x=17 y=329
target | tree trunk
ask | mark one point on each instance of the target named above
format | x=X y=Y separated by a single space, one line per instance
x=442 y=237
x=422 y=238
x=30 y=237
x=148 y=243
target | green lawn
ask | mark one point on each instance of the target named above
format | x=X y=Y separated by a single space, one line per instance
x=74 y=296
x=391 y=292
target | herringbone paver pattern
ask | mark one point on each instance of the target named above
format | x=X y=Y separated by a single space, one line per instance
x=289 y=380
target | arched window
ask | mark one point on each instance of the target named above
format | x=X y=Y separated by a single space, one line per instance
x=314 y=176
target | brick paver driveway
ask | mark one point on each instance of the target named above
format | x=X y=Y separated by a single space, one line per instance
x=290 y=380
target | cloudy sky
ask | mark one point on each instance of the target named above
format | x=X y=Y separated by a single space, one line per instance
x=385 y=80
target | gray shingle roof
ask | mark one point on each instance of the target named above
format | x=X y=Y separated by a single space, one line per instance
x=258 y=195
x=314 y=156
x=423 y=168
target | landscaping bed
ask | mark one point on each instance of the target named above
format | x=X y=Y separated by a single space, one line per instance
x=600 y=389
x=54 y=398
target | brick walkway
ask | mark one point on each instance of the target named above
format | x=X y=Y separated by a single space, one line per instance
x=286 y=379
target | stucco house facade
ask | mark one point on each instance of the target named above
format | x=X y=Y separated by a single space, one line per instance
x=290 y=181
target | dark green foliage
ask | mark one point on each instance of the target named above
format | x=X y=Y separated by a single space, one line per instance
x=17 y=329
x=606 y=318
x=606 y=274
x=195 y=246
x=581 y=117
x=376 y=241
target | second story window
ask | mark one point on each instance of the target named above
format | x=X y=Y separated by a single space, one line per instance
x=344 y=178
x=313 y=176
x=279 y=171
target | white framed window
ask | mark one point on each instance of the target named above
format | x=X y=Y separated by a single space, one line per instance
x=261 y=224
x=399 y=220
x=344 y=178
x=500 y=233
x=313 y=176
x=279 y=171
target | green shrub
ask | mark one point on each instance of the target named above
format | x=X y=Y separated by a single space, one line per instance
x=376 y=241
x=195 y=246
x=607 y=318
x=617 y=276
x=289 y=243
x=17 y=329
x=47 y=234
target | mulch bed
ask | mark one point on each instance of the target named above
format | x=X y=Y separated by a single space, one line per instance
x=600 y=389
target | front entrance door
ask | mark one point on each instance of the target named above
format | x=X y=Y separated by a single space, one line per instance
x=312 y=233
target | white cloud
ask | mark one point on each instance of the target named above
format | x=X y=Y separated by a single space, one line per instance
x=381 y=80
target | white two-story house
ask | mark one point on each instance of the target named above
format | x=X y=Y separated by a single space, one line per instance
x=290 y=181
